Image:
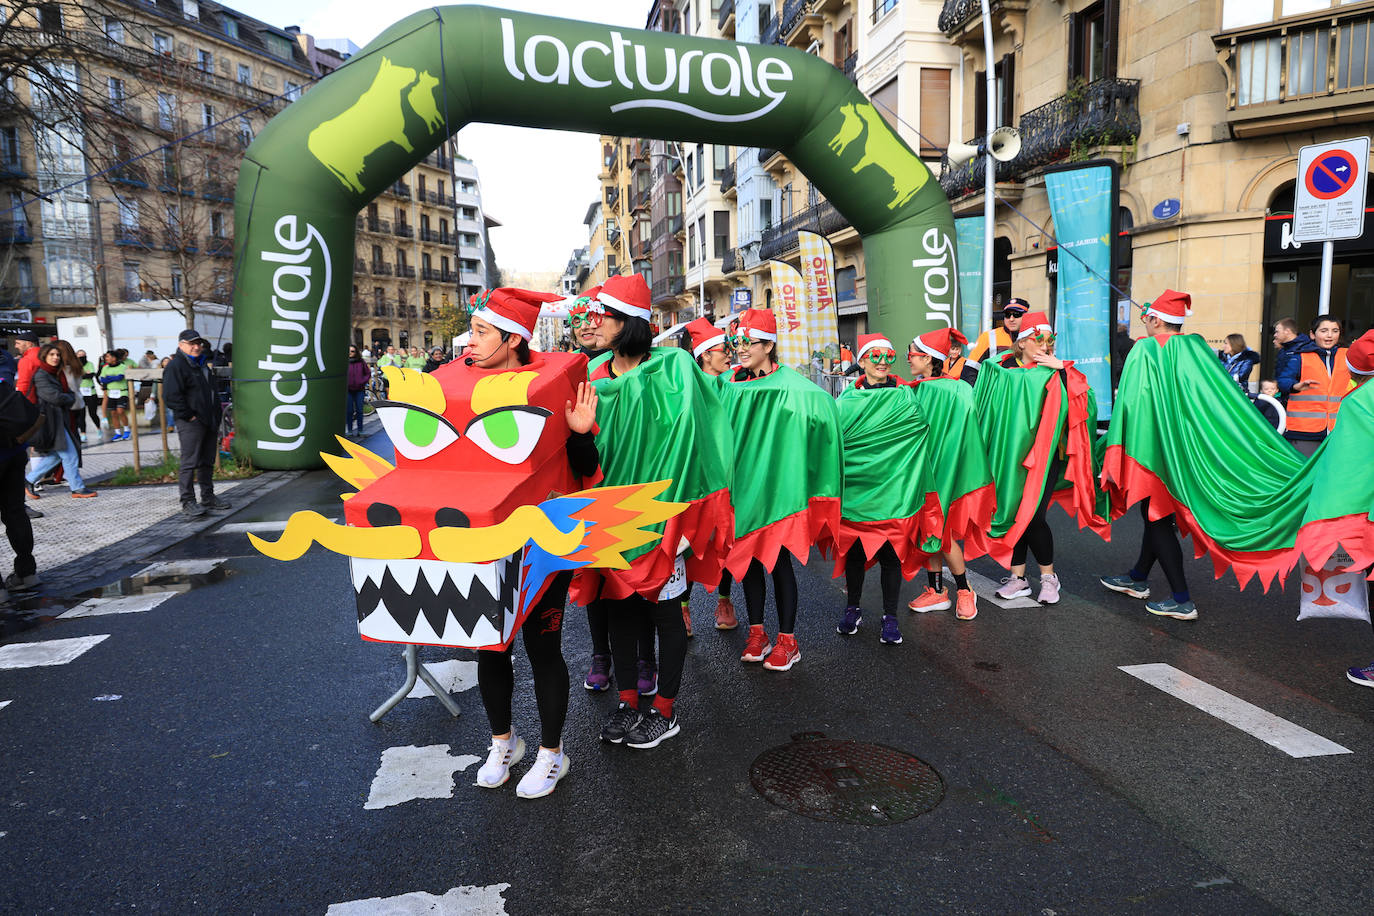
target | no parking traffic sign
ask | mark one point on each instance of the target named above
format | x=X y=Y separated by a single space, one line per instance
x=1329 y=203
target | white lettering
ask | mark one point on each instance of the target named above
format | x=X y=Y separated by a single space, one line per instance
x=300 y=273
x=686 y=78
x=293 y=411
x=618 y=45
x=936 y=279
x=508 y=48
x=746 y=67
x=268 y=364
x=285 y=398
x=285 y=350
x=669 y=70
x=580 y=71
x=560 y=72
x=770 y=68
x=289 y=314
x=731 y=86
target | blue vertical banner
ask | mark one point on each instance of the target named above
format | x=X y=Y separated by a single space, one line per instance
x=968 y=238
x=1083 y=204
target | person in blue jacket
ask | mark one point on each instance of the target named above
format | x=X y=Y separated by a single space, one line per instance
x=1289 y=346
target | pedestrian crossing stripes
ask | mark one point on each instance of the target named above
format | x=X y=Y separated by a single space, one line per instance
x=50 y=652
x=468 y=900
x=1293 y=740
x=126 y=604
x=411 y=772
x=4 y=703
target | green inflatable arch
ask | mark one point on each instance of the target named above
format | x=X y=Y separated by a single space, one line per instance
x=322 y=159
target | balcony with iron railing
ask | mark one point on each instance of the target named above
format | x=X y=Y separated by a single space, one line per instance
x=12 y=167
x=727 y=178
x=134 y=236
x=15 y=232
x=19 y=296
x=1073 y=127
x=667 y=288
x=431 y=275
x=965 y=16
x=448 y=276
x=130 y=173
x=381 y=269
x=380 y=226
x=403 y=230
x=399 y=189
x=179 y=241
x=217 y=246
x=215 y=189
x=139 y=293
x=359 y=266
x=781 y=238
x=770 y=33
x=725 y=19
x=801 y=24
x=405 y=271
x=613 y=198
x=641 y=201
x=851 y=67
x=731 y=262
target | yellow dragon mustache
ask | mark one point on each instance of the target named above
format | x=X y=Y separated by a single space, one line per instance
x=402 y=542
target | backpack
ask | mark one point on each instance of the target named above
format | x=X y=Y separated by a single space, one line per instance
x=19 y=417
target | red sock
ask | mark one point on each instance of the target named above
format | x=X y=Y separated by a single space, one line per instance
x=631 y=697
x=664 y=706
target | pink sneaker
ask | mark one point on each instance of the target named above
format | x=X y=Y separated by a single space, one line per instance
x=1013 y=587
x=1049 y=589
x=968 y=604
x=930 y=600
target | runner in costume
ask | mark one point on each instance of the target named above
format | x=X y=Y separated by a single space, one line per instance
x=926 y=355
x=1359 y=360
x=500 y=333
x=783 y=504
x=1030 y=459
x=711 y=347
x=884 y=486
x=659 y=418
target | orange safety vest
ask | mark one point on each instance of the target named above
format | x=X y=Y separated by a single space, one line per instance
x=1313 y=410
x=1000 y=342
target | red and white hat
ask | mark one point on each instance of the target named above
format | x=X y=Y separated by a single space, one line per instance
x=758 y=324
x=1360 y=356
x=627 y=295
x=705 y=335
x=1171 y=307
x=869 y=341
x=511 y=309
x=1034 y=323
x=938 y=343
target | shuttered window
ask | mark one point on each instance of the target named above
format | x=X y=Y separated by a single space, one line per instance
x=934 y=111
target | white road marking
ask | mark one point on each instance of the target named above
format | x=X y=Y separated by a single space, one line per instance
x=180 y=568
x=454 y=676
x=986 y=588
x=411 y=772
x=51 y=652
x=1293 y=740
x=3 y=704
x=468 y=900
x=127 y=604
x=107 y=697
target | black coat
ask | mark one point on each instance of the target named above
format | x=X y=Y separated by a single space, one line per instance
x=55 y=405
x=190 y=392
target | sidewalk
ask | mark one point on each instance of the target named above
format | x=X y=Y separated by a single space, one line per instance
x=82 y=543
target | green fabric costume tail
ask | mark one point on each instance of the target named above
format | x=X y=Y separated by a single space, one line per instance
x=664 y=420
x=786 y=436
x=1340 y=507
x=958 y=459
x=1028 y=416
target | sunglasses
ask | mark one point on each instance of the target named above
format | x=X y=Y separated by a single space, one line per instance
x=1013 y=313
x=883 y=357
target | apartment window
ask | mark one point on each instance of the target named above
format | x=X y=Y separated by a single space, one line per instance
x=443 y=230
x=221 y=282
x=882 y=7
x=1354 y=67
x=245 y=130
x=673 y=199
x=843 y=45
x=443 y=266
x=934 y=111
x=131 y=280
x=468 y=213
x=217 y=224
x=190 y=9
x=205 y=61
x=169 y=164
x=785 y=196
x=114 y=30
x=178 y=281
x=9 y=145
x=378 y=296
x=376 y=254
x=277 y=45
x=50 y=17
x=701 y=236
x=765 y=213
x=162 y=44
x=231 y=27
x=701 y=164
x=441 y=191
x=720 y=160
x=1257 y=70
x=128 y=212
x=25 y=273
x=675 y=263
x=721 y=220
x=611 y=267
x=426 y=263
x=245 y=74
x=691 y=246
x=166 y=104
x=1092 y=42
x=1307 y=53
x=1004 y=72
x=293 y=91
x=420 y=190
x=116 y=90
x=400 y=257
x=207 y=114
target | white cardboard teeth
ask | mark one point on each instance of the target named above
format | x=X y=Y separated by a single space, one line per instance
x=435 y=573
x=405 y=572
x=489 y=574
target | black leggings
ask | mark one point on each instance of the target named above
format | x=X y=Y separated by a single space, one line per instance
x=629 y=618
x=542 y=632
x=890 y=576
x=784 y=592
x=1161 y=543
x=1038 y=538
x=727 y=582
x=599 y=619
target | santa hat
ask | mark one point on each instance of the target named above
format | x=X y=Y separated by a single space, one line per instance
x=578 y=302
x=1034 y=323
x=705 y=335
x=869 y=341
x=938 y=343
x=1171 y=307
x=627 y=295
x=510 y=309
x=1360 y=356
x=758 y=324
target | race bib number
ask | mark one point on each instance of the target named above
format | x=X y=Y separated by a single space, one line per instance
x=677 y=582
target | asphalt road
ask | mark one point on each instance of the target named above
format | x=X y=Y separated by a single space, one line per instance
x=234 y=770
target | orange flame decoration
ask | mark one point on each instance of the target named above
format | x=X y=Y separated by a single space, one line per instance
x=360 y=468
x=618 y=517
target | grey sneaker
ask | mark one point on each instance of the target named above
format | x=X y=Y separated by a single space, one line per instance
x=214 y=502
x=1049 y=589
x=193 y=510
x=1126 y=585
x=1013 y=587
x=1171 y=608
x=620 y=724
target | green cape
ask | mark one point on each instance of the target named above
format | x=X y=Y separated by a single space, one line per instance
x=1340 y=505
x=786 y=435
x=663 y=420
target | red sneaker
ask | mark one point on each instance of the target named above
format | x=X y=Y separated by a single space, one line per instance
x=725 y=615
x=930 y=600
x=968 y=604
x=756 y=648
x=785 y=654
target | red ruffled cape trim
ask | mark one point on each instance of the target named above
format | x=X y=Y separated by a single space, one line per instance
x=968 y=520
x=1318 y=540
x=1130 y=482
x=794 y=533
x=707 y=523
x=906 y=535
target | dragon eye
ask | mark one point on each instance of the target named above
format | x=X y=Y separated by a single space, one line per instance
x=417 y=433
x=508 y=434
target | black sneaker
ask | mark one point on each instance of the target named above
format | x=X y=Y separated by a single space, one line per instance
x=32 y=513
x=621 y=723
x=214 y=502
x=193 y=510
x=652 y=730
x=22 y=585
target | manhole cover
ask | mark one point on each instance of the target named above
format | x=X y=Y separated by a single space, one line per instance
x=847 y=781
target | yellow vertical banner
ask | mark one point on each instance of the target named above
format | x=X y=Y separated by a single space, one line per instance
x=818 y=273
x=789 y=307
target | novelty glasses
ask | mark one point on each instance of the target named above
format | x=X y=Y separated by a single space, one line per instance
x=884 y=356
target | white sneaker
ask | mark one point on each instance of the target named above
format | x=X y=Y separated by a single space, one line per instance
x=549 y=767
x=504 y=753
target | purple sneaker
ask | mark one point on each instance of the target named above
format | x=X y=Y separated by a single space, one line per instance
x=599 y=677
x=1362 y=676
x=648 y=677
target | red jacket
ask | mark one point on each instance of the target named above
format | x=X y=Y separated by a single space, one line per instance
x=23 y=378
